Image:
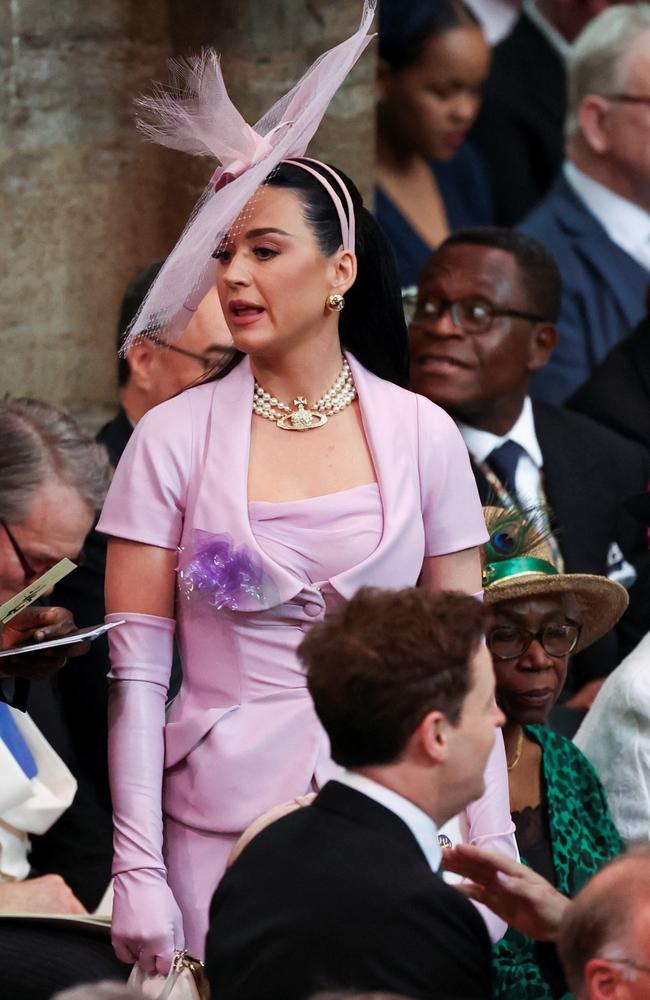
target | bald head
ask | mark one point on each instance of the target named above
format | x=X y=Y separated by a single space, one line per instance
x=605 y=933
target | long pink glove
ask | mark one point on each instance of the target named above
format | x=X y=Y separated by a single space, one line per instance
x=147 y=925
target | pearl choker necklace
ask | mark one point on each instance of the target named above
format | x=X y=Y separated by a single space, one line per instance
x=302 y=416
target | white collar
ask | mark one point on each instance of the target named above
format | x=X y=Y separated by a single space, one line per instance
x=550 y=33
x=626 y=224
x=481 y=443
x=419 y=823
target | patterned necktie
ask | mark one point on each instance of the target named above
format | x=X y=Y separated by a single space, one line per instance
x=15 y=743
x=503 y=462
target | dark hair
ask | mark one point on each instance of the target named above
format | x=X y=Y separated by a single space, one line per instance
x=539 y=273
x=404 y=27
x=372 y=325
x=387 y=658
x=134 y=296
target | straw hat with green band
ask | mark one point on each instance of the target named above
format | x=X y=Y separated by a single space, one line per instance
x=518 y=562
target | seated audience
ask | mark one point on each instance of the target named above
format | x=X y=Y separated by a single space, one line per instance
x=617 y=393
x=520 y=130
x=52 y=479
x=615 y=735
x=433 y=60
x=346 y=894
x=596 y=218
x=150 y=373
x=539 y=618
x=604 y=937
x=485 y=322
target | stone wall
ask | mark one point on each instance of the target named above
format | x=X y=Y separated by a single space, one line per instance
x=84 y=201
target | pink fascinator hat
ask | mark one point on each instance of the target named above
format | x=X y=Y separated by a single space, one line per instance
x=198 y=117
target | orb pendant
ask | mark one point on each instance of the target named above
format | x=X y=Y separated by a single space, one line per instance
x=301 y=419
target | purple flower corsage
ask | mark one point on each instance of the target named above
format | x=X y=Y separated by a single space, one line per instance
x=220 y=573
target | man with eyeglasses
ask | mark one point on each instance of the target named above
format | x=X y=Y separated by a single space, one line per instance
x=151 y=372
x=484 y=323
x=596 y=218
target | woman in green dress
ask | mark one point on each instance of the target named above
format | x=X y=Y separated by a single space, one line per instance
x=564 y=829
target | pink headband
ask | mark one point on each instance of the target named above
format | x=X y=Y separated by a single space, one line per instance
x=202 y=119
x=346 y=221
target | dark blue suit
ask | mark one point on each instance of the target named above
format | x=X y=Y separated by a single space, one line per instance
x=604 y=290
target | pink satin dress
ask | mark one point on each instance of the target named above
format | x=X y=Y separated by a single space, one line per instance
x=242 y=735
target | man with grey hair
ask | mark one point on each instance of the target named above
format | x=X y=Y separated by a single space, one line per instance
x=52 y=479
x=604 y=937
x=596 y=218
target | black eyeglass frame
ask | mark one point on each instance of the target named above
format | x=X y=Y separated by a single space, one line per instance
x=207 y=361
x=629 y=98
x=26 y=566
x=451 y=306
x=539 y=636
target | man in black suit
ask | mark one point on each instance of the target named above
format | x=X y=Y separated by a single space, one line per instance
x=150 y=373
x=485 y=321
x=617 y=393
x=345 y=893
x=520 y=129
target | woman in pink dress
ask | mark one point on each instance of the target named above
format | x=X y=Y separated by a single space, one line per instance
x=234 y=533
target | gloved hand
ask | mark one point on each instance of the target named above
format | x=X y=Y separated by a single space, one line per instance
x=147 y=923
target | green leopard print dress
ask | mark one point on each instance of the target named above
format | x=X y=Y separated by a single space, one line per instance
x=583 y=839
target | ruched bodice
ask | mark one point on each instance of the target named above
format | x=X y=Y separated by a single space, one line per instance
x=322 y=536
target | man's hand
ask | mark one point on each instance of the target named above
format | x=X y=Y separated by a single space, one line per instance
x=38 y=625
x=48 y=894
x=517 y=894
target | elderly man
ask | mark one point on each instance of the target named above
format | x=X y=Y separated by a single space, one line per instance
x=52 y=479
x=596 y=219
x=519 y=129
x=345 y=893
x=151 y=372
x=484 y=324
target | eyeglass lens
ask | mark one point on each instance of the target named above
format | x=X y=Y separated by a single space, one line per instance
x=469 y=314
x=508 y=641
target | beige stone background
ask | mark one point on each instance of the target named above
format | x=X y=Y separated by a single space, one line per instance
x=85 y=202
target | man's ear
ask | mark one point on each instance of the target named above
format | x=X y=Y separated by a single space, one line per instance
x=601 y=979
x=432 y=736
x=140 y=357
x=544 y=339
x=593 y=115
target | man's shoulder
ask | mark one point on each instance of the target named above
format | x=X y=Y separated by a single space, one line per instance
x=576 y=431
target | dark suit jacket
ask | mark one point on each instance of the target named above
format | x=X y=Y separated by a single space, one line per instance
x=618 y=392
x=71 y=711
x=82 y=681
x=588 y=472
x=604 y=291
x=338 y=895
x=520 y=127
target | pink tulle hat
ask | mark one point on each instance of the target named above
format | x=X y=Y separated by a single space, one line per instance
x=199 y=118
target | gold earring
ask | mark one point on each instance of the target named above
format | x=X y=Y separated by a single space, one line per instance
x=335 y=302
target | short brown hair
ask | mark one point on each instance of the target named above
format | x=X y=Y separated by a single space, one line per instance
x=387 y=658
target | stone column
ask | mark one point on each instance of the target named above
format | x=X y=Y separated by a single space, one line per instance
x=85 y=202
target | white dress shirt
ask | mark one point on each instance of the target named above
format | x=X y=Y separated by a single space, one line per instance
x=626 y=224
x=528 y=477
x=419 y=823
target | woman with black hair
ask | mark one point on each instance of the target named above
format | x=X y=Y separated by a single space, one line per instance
x=242 y=511
x=430 y=181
